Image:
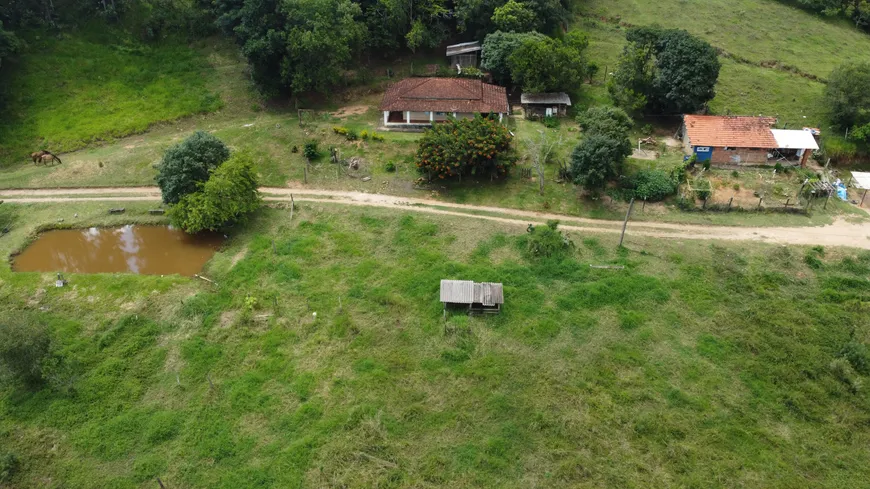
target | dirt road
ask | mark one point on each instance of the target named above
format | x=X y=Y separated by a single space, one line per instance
x=840 y=233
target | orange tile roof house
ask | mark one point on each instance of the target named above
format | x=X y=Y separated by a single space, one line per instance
x=742 y=140
x=419 y=102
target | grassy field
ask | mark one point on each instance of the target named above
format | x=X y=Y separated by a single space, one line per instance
x=698 y=365
x=271 y=135
x=70 y=90
x=763 y=32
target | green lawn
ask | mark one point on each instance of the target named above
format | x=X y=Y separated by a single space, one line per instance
x=698 y=365
x=73 y=89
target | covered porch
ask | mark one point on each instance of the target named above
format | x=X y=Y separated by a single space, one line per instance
x=409 y=117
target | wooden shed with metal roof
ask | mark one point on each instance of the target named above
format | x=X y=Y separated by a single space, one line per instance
x=484 y=297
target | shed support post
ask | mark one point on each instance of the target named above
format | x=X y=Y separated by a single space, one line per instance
x=408 y=116
x=386 y=116
x=431 y=116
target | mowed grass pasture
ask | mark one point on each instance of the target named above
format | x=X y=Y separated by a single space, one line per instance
x=697 y=365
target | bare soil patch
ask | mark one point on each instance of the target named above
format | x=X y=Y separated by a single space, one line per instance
x=350 y=110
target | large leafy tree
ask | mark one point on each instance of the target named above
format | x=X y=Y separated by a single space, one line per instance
x=229 y=196
x=464 y=147
x=550 y=65
x=295 y=46
x=514 y=17
x=412 y=23
x=664 y=71
x=606 y=120
x=497 y=49
x=597 y=160
x=478 y=16
x=187 y=164
x=847 y=95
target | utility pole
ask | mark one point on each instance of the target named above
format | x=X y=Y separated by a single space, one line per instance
x=625 y=222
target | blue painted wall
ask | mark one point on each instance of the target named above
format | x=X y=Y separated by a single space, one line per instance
x=704 y=153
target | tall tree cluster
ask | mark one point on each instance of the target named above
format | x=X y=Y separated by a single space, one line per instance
x=535 y=62
x=664 y=71
x=848 y=99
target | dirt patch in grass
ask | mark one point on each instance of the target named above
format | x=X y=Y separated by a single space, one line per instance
x=228 y=318
x=351 y=110
x=239 y=256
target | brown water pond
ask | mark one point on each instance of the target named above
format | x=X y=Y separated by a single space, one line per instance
x=154 y=250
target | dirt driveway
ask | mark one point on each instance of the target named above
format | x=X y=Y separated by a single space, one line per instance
x=840 y=233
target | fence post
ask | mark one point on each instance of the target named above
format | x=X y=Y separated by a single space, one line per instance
x=625 y=222
x=759 y=203
x=729 y=203
x=824 y=207
x=704 y=205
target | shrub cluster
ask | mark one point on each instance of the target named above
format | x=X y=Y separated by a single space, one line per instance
x=352 y=135
x=310 y=150
x=547 y=241
x=464 y=147
x=651 y=185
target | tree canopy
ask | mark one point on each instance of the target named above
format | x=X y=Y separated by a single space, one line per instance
x=464 y=147
x=550 y=65
x=606 y=120
x=497 y=49
x=664 y=71
x=295 y=46
x=847 y=95
x=514 y=17
x=9 y=44
x=597 y=160
x=228 y=197
x=187 y=164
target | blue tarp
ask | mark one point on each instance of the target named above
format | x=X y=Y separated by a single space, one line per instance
x=841 y=192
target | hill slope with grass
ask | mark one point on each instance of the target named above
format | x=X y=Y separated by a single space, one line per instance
x=777 y=52
x=697 y=365
x=67 y=90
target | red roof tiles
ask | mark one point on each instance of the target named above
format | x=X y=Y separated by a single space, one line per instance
x=445 y=95
x=730 y=131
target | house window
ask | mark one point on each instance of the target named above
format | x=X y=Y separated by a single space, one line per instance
x=702 y=149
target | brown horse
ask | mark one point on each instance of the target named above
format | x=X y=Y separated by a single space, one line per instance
x=45 y=157
x=37 y=156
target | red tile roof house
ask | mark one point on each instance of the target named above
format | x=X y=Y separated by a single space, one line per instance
x=419 y=102
x=742 y=140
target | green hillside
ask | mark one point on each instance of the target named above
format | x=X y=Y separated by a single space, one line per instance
x=758 y=32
